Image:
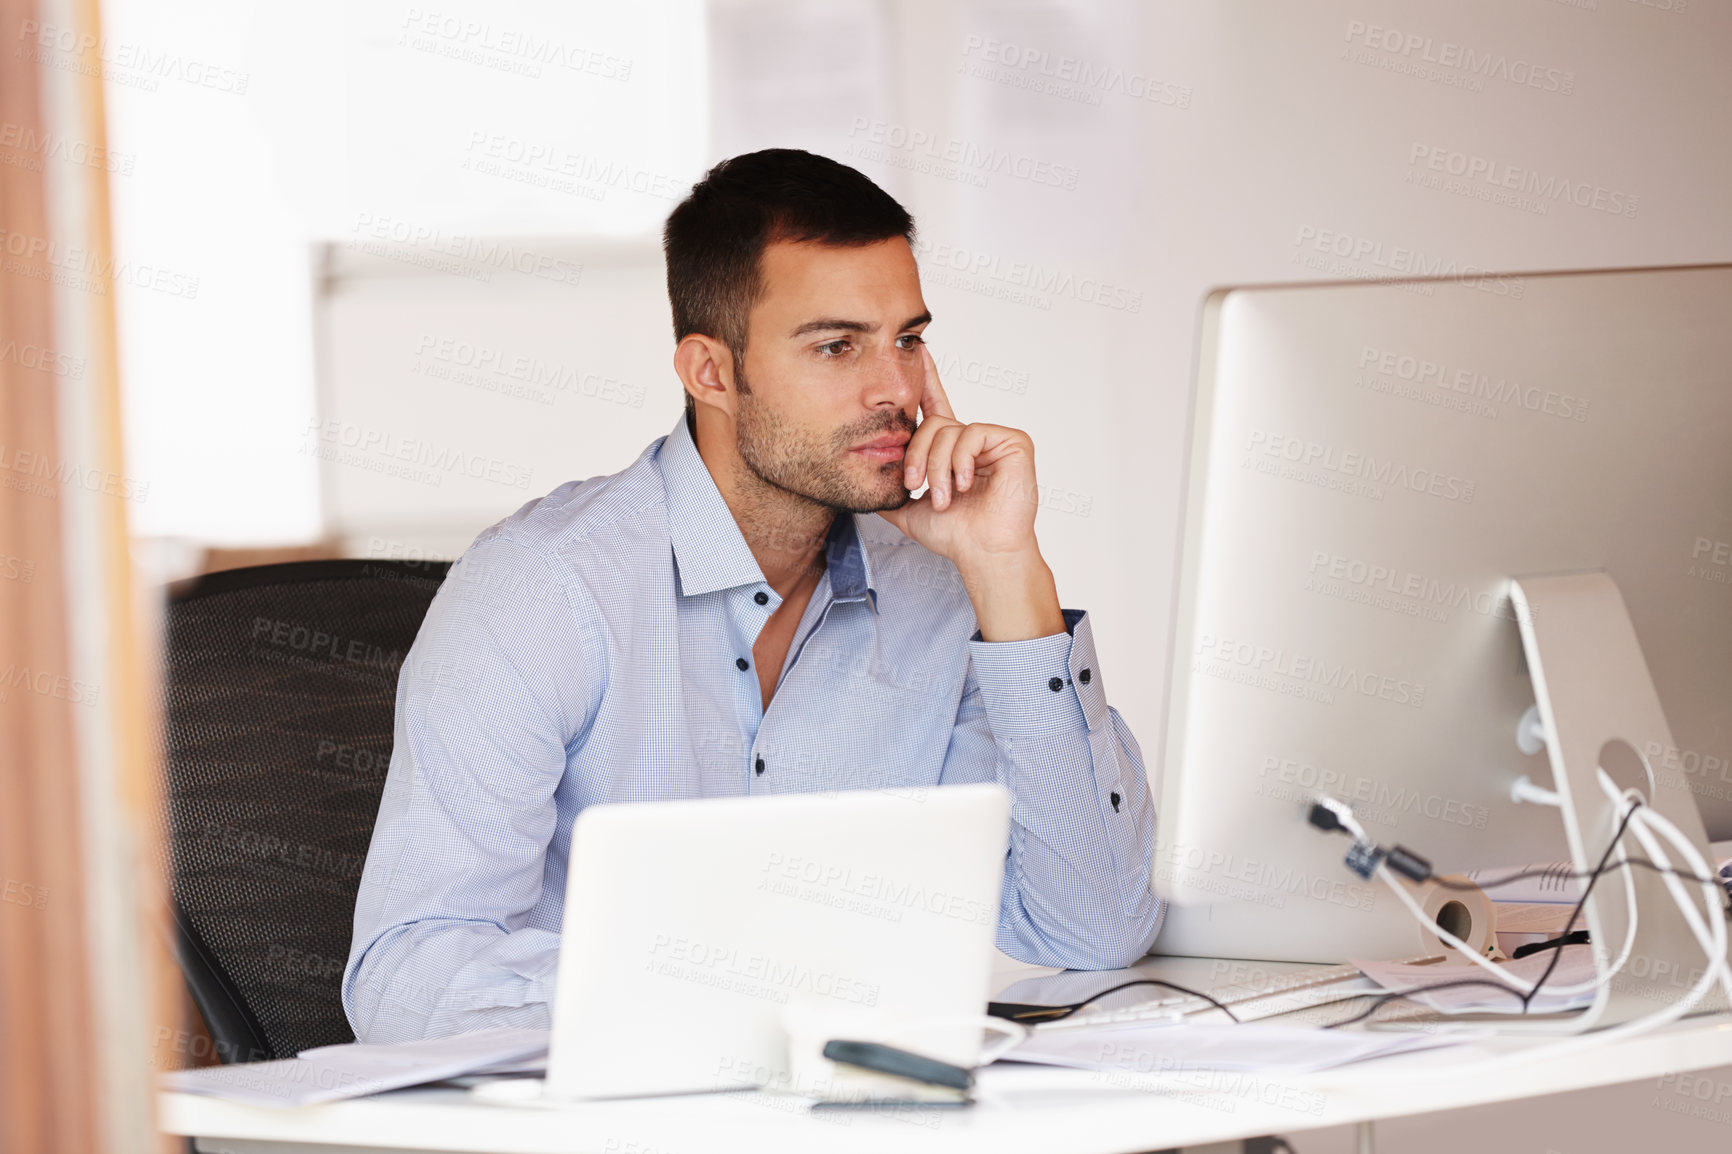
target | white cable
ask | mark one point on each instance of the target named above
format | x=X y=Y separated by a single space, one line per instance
x=1630 y=908
x=1613 y=970
x=1501 y=973
x=1520 y=984
x=1647 y=820
x=1661 y=1017
x=1344 y=814
x=1602 y=979
x=1712 y=943
x=1523 y=789
x=1714 y=947
x=1713 y=889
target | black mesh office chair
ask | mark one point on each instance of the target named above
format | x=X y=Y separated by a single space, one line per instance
x=280 y=686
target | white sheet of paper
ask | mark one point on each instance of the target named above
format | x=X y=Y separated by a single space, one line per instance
x=1252 y=1048
x=1575 y=967
x=1534 y=917
x=331 y=1073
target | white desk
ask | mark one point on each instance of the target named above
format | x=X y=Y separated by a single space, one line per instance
x=1021 y=1108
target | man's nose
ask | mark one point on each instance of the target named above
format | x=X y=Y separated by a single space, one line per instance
x=893 y=379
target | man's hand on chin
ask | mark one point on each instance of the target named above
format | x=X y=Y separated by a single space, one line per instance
x=978 y=512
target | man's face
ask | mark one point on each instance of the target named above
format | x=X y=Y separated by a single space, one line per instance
x=833 y=372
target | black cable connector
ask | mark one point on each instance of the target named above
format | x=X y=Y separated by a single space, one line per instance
x=1408 y=864
x=1324 y=818
x=1366 y=855
x=1573 y=938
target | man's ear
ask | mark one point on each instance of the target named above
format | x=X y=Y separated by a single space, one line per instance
x=706 y=368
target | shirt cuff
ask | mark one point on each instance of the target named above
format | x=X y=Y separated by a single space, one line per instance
x=1042 y=685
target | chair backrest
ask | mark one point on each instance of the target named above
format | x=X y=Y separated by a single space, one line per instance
x=280 y=688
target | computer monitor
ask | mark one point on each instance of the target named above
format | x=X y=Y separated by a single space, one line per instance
x=1371 y=464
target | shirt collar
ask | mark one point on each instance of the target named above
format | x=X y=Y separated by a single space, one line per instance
x=848 y=563
x=710 y=551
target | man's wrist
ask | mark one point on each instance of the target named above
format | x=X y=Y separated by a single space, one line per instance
x=1014 y=596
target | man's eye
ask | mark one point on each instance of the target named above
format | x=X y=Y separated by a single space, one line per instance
x=913 y=339
x=834 y=348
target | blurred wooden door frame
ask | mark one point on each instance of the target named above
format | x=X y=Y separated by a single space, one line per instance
x=57 y=1052
x=46 y=1099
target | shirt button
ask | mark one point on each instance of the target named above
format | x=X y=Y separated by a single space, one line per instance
x=742 y=663
x=1055 y=684
x=1083 y=677
x=760 y=766
x=761 y=597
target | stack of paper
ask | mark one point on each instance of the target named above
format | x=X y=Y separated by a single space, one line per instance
x=1575 y=968
x=1525 y=923
x=331 y=1073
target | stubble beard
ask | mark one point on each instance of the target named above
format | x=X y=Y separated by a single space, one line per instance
x=798 y=462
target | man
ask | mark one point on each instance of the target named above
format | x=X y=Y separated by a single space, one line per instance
x=724 y=617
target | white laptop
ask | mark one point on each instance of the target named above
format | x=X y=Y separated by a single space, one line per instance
x=692 y=926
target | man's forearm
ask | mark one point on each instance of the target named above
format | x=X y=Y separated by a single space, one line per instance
x=1078 y=892
x=1015 y=597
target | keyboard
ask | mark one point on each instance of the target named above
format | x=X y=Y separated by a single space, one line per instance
x=1250 y=1002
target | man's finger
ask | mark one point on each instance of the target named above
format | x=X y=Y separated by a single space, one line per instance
x=933 y=402
x=940 y=464
x=969 y=447
x=914 y=456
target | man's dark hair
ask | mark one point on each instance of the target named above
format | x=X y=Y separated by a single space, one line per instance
x=715 y=239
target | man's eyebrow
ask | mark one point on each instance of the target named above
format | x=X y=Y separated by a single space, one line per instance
x=833 y=324
x=837 y=324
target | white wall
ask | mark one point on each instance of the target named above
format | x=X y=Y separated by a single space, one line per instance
x=452 y=394
x=247 y=133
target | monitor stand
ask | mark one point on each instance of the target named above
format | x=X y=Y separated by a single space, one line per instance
x=1598 y=708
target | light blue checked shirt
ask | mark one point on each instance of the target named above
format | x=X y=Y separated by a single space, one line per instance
x=595 y=647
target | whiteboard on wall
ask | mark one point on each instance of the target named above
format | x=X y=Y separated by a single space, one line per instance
x=461 y=377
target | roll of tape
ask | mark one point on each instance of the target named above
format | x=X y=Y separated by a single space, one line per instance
x=1467 y=913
